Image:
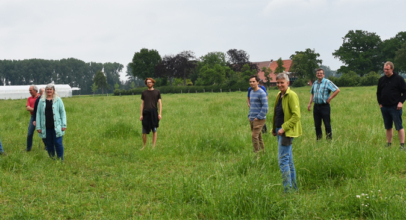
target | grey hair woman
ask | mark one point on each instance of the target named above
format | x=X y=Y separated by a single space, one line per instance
x=51 y=121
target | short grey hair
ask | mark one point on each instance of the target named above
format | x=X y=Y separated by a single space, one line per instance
x=34 y=87
x=283 y=76
x=389 y=64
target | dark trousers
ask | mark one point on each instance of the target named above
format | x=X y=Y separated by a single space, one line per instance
x=322 y=112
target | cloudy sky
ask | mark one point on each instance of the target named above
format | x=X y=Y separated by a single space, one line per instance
x=112 y=31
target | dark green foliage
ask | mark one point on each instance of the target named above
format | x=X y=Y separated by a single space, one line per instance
x=305 y=64
x=347 y=79
x=144 y=62
x=370 y=79
x=360 y=52
x=390 y=47
x=100 y=80
x=400 y=59
x=299 y=82
x=70 y=71
x=280 y=67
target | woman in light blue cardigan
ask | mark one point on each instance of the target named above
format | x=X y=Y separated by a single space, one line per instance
x=51 y=121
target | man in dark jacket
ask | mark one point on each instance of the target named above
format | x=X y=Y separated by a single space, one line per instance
x=391 y=95
x=149 y=111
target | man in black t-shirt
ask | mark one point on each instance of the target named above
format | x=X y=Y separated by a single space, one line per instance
x=149 y=111
x=391 y=95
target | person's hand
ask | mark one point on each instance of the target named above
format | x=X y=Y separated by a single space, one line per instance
x=141 y=118
x=400 y=106
x=249 y=106
x=329 y=100
x=159 y=117
x=281 y=131
x=255 y=119
x=309 y=107
x=39 y=131
x=380 y=106
x=63 y=129
x=33 y=123
x=273 y=133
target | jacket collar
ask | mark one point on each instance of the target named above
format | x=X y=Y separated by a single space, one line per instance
x=287 y=92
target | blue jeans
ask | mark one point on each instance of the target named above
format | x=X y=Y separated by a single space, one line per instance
x=285 y=160
x=30 y=134
x=392 y=115
x=1 y=148
x=54 y=144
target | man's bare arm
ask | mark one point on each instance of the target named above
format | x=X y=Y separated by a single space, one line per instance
x=310 y=103
x=160 y=109
x=142 y=109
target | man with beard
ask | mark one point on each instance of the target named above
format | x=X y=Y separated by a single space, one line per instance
x=149 y=111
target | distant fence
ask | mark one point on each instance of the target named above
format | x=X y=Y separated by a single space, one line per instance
x=184 y=89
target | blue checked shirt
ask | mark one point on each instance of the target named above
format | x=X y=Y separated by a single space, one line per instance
x=321 y=90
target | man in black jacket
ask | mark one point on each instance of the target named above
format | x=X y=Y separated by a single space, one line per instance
x=151 y=99
x=391 y=95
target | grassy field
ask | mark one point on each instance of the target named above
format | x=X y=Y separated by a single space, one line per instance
x=203 y=165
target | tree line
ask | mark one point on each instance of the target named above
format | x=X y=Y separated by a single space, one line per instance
x=74 y=72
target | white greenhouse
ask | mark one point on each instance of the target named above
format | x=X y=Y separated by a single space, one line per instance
x=21 y=92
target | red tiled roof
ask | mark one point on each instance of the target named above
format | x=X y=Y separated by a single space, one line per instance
x=272 y=65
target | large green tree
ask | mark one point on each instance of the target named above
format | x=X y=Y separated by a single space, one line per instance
x=144 y=63
x=359 y=52
x=112 y=71
x=389 y=47
x=305 y=64
x=400 y=58
x=100 y=80
x=212 y=75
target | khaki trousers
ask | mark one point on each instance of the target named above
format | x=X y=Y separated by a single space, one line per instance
x=256 y=127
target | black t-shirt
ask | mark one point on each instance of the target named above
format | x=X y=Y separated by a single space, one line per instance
x=49 y=115
x=391 y=90
x=150 y=98
x=279 y=115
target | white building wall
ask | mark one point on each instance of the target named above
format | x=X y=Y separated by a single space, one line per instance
x=21 y=92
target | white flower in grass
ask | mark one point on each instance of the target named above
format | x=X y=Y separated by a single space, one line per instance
x=358 y=196
x=362 y=194
x=379 y=190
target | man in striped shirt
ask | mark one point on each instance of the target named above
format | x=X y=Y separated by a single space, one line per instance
x=320 y=91
x=257 y=113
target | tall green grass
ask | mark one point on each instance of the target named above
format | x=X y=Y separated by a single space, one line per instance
x=203 y=165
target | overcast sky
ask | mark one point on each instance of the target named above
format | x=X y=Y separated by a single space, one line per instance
x=112 y=31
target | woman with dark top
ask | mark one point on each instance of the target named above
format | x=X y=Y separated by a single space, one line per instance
x=286 y=125
x=51 y=121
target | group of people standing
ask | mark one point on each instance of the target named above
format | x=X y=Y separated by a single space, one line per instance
x=48 y=117
x=286 y=124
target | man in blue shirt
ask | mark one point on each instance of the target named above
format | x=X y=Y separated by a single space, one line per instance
x=320 y=91
x=257 y=113
x=261 y=85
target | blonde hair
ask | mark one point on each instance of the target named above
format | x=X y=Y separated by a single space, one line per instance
x=390 y=64
x=55 y=96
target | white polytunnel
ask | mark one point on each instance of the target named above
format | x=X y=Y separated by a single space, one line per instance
x=21 y=92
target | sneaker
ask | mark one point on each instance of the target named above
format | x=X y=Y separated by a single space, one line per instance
x=402 y=148
x=389 y=145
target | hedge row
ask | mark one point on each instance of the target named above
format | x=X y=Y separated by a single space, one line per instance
x=185 y=89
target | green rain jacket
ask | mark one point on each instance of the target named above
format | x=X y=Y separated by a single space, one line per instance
x=59 y=117
x=291 y=109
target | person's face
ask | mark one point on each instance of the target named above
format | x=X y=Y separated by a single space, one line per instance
x=150 y=84
x=388 y=70
x=253 y=83
x=320 y=75
x=41 y=91
x=50 y=92
x=282 y=85
x=32 y=91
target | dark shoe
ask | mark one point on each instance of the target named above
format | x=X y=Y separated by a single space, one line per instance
x=3 y=153
x=389 y=145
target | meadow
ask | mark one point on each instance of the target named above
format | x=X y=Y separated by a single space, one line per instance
x=203 y=166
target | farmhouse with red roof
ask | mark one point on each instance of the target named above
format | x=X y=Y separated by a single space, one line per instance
x=272 y=65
